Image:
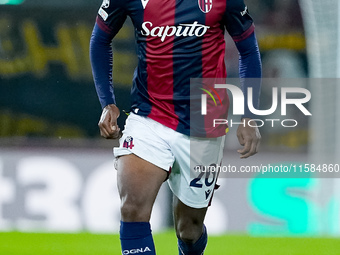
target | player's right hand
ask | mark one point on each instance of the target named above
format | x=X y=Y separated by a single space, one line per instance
x=108 y=122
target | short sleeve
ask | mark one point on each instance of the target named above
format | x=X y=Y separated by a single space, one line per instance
x=237 y=20
x=112 y=15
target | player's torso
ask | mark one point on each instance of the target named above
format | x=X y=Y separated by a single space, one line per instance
x=176 y=40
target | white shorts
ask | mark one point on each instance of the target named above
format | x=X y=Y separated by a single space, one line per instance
x=176 y=153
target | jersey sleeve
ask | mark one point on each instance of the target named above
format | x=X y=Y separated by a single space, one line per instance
x=240 y=26
x=111 y=16
x=250 y=70
x=237 y=20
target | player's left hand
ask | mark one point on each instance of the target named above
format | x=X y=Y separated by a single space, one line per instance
x=249 y=137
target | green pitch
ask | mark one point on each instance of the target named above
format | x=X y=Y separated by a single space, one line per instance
x=85 y=244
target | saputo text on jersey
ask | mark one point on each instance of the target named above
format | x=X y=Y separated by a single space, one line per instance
x=194 y=29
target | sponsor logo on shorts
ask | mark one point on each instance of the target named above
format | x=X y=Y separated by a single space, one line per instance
x=207 y=193
x=128 y=143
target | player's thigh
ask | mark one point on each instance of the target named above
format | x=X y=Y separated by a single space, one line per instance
x=144 y=159
x=138 y=183
x=138 y=180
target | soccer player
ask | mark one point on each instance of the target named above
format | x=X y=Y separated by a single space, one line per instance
x=176 y=40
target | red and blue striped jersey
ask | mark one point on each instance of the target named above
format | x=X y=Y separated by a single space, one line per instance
x=177 y=40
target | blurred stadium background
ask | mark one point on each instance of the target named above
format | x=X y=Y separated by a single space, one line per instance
x=56 y=173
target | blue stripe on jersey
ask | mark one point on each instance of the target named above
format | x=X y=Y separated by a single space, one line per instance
x=139 y=90
x=186 y=65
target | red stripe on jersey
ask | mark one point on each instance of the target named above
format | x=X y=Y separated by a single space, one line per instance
x=213 y=66
x=245 y=34
x=160 y=64
x=103 y=26
x=213 y=48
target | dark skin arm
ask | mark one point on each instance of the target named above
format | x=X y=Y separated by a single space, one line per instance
x=108 y=122
x=249 y=137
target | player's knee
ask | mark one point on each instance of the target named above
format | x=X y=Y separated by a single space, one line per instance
x=189 y=231
x=134 y=211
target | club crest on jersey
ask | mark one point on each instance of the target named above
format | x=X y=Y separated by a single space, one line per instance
x=128 y=142
x=205 y=5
